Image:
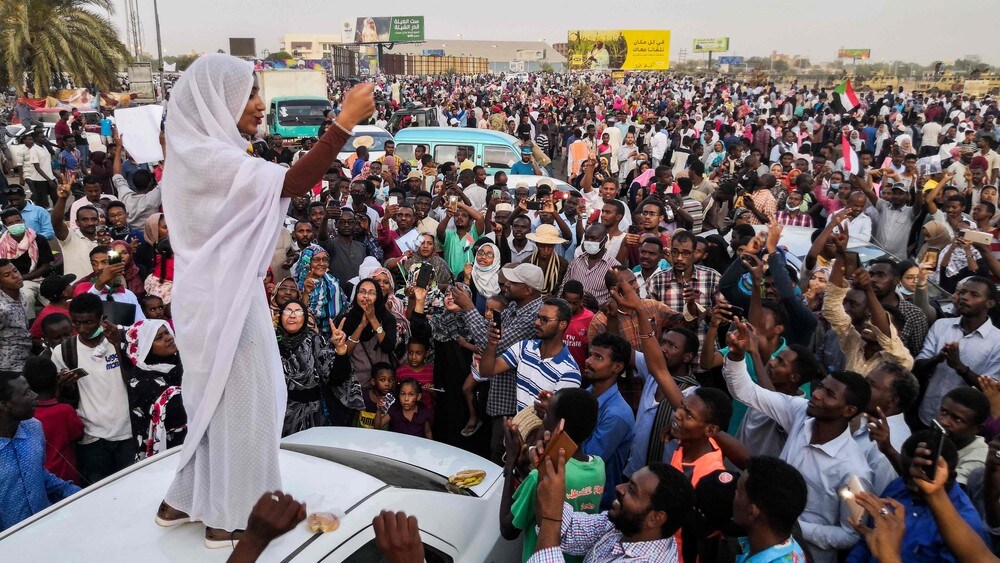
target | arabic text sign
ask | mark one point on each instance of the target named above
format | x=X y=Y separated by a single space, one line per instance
x=863 y=54
x=619 y=49
x=389 y=29
x=714 y=44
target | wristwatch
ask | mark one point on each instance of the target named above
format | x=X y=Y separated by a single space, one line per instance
x=379 y=330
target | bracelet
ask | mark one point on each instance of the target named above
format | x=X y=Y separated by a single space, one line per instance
x=645 y=336
x=342 y=128
x=552 y=519
x=349 y=339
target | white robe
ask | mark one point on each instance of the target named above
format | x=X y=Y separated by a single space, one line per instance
x=226 y=212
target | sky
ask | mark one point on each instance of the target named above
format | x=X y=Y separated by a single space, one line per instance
x=892 y=29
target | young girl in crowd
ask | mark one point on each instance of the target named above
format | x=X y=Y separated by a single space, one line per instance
x=378 y=397
x=496 y=303
x=417 y=368
x=407 y=416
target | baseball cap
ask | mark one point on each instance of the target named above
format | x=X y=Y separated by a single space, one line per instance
x=13 y=189
x=898 y=186
x=525 y=150
x=53 y=286
x=528 y=274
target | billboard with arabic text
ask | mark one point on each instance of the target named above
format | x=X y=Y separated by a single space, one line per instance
x=629 y=49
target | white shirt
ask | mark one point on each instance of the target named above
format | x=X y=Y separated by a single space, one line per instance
x=41 y=157
x=103 y=398
x=979 y=350
x=658 y=145
x=76 y=253
x=930 y=133
x=826 y=467
x=883 y=472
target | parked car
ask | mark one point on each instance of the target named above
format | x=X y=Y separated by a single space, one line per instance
x=352 y=472
x=491 y=149
x=377 y=150
x=421 y=117
x=798 y=241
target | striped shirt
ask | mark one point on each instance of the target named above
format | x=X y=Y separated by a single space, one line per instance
x=536 y=374
x=592 y=278
x=542 y=140
x=697 y=212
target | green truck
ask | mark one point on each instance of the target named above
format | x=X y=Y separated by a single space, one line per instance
x=295 y=101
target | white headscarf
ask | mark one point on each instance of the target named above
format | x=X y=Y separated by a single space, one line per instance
x=229 y=210
x=140 y=337
x=487 y=279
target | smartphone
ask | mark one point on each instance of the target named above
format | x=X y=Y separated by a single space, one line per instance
x=737 y=311
x=424 y=275
x=976 y=237
x=852 y=261
x=534 y=205
x=450 y=177
x=393 y=200
x=849 y=494
x=453 y=200
x=81 y=371
x=560 y=441
x=595 y=215
x=114 y=258
x=932 y=255
x=935 y=444
x=633 y=229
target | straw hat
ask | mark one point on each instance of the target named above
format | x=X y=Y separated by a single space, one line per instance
x=364 y=141
x=546 y=234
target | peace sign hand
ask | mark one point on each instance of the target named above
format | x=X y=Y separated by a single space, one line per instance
x=337 y=336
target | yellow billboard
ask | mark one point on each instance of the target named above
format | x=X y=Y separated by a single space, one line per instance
x=628 y=49
x=713 y=44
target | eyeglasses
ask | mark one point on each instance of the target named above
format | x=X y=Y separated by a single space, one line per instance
x=293 y=312
x=321 y=260
x=545 y=320
x=368 y=293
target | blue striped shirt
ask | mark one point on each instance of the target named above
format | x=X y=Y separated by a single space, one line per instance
x=535 y=374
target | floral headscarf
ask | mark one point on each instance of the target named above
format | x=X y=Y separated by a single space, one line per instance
x=139 y=338
x=326 y=300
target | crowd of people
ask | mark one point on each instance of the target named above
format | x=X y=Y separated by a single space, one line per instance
x=727 y=399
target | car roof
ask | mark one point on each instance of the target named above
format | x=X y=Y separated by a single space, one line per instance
x=458 y=134
x=359 y=129
x=532 y=180
x=113 y=520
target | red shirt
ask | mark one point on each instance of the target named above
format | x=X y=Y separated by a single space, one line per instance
x=576 y=336
x=62 y=429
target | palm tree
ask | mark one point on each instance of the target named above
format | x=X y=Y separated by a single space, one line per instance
x=41 y=40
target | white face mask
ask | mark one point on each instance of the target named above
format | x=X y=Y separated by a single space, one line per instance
x=592 y=247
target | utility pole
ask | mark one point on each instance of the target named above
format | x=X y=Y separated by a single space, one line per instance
x=159 y=47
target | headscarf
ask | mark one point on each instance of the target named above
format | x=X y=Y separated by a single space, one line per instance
x=487 y=279
x=11 y=248
x=290 y=341
x=936 y=236
x=355 y=313
x=152 y=228
x=139 y=339
x=394 y=304
x=231 y=209
x=365 y=172
x=905 y=142
x=132 y=279
x=326 y=300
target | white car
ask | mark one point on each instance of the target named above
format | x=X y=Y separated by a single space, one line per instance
x=532 y=180
x=352 y=472
x=376 y=151
x=15 y=132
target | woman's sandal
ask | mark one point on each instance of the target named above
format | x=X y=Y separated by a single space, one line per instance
x=216 y=538
x=168 y=516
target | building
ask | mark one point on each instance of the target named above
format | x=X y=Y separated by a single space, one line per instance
x=526 y=56
x=309 y=47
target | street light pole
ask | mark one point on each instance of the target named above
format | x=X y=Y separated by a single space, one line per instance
x=159 y=46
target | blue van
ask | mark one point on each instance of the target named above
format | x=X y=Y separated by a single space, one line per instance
x=490 y=149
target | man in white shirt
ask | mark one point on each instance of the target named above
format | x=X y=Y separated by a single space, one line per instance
x=36 y=165
x=894 y=390
x=473 y=182
x=107 y=445
x=788 y=143
x=929 y=138
x=75 y=243
x=819 y=443
x=658 y=144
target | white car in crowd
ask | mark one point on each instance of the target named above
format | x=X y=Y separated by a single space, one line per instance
x=352 y=472
x=514 y=179
x=375 y=151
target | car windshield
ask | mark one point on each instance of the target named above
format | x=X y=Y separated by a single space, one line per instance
x=378 y=137
x=302 y=112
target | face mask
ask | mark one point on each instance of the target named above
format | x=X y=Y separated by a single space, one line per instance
x=592 y=247
x=800 y=207
x=834 y=186
x=97 y=333
x=903 y=291
x=17 y=229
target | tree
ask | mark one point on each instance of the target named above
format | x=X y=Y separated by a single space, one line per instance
x=185 y=61
x=546 y=67
x=280 y=56
x=43 y=40
x=781 y=65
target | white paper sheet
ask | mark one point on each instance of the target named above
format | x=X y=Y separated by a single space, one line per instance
x=139 y=129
